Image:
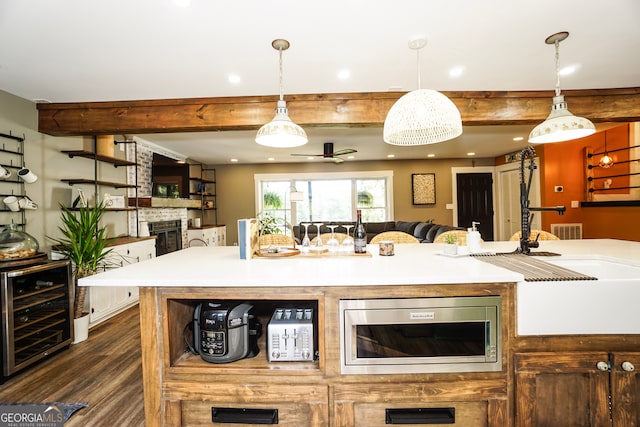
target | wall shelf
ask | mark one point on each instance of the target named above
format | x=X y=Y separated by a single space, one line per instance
x=12 y=159
x=74 y=181
x=105 y=159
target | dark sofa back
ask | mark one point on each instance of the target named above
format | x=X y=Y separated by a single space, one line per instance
x=425 y=232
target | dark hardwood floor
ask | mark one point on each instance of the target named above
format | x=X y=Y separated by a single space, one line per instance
x=105 y=371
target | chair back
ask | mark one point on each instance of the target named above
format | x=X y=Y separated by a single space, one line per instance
x=196 y=242
x=460 y=235
x=276 y=240
x=395 y=237
x=535 y=234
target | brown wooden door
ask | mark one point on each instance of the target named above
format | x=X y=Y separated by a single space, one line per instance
x=562 y=389
x=475 y=202
x=625 y=389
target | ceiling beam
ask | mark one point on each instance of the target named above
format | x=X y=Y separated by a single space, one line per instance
x=341 y=109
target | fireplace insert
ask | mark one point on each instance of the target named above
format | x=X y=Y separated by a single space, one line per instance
x=169 y=236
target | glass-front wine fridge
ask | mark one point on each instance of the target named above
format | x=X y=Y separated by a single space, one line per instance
x=36 y=313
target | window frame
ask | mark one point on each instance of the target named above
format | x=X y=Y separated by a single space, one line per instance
x=353 y=176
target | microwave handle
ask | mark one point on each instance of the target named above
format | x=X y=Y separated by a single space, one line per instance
x=420 y=415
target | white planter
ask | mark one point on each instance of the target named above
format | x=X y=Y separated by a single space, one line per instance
x=450 y=249
x=80 y=329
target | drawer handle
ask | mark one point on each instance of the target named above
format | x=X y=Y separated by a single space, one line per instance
x=421 y=416
x=244 y=416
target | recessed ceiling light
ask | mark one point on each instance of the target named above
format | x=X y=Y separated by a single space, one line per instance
x=234 y=160
x=456 y=71
x=234 y=78
x=351 y=157
x=431 y=155
x=344 y=74
x=271 y=159
x=310 y=158
x=471 y=154
x=391 y=156
x=569 y=69
x=518 y=138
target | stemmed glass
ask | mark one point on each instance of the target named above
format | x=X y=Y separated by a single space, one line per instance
x=347 y=243
x=333 y=243
x=318 y=238
x=306 y=242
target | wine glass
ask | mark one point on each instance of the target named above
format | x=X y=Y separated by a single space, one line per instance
x=347 y=243
x=306 y=242
x=333 y=243
x=318 y=238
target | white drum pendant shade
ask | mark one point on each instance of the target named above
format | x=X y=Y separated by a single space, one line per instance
x=281 y=132
x=423 y=116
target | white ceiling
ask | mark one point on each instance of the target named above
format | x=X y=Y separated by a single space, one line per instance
x=111 y=50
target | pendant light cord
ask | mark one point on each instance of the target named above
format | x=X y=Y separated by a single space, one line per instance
x=557 y=43
x=281 y=89
x=418 y=66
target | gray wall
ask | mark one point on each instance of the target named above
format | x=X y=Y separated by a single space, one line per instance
x=43 y=156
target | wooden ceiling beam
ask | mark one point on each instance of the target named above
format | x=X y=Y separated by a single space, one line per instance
x=341 y=109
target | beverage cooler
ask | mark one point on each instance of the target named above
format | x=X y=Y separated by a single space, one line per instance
x=36 y=312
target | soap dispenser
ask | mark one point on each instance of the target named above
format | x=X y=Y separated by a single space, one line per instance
x=473 y=238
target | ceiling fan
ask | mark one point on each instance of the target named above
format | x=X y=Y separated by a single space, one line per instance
x=334 y=156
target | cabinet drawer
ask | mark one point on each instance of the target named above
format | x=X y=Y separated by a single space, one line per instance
x=298 y=414
x=468 y=414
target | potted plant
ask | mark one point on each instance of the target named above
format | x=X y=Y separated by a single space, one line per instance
x=84 y=244
x=451 y=244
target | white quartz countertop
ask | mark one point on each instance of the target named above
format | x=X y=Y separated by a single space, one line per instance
x=222 y=266
x=411 y=264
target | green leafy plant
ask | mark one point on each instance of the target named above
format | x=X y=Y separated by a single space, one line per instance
x=365 y=199
x=84 y=243
x=450 y=239
x=268 y=224
x=272 y=200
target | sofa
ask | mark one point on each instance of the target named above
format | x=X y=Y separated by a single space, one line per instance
x=425 y=232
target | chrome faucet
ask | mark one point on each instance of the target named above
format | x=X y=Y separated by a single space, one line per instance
x=525 y=210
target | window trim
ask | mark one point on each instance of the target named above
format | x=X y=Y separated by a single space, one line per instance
x=258 y=178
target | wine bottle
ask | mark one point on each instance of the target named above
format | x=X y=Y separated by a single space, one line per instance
x=360 y=236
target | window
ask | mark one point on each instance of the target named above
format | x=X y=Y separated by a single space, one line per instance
x=325 y=196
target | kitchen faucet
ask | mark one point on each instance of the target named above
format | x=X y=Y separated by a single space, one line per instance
x=525 y=210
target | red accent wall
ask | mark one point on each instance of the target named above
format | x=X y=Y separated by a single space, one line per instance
x=563 y=164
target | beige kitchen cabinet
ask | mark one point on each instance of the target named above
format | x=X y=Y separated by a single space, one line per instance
x=106 y=301
x=577 y=389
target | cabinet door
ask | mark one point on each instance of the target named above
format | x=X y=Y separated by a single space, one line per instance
x=562 y=389
x=140 y=251
x=101 y=302
x=222 y=236
x=625 y=389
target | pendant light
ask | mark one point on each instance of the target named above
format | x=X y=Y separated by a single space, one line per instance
x=561 y=125
x=606 y=161
x=281 y=132
x=423 y=116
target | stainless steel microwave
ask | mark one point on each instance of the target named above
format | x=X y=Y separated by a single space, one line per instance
x=420 y=335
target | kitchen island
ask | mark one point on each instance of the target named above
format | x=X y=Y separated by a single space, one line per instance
x=182 y=389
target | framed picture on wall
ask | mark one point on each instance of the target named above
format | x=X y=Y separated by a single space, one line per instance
x=423 y=188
